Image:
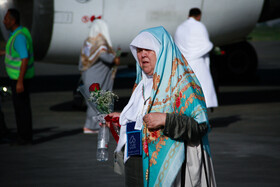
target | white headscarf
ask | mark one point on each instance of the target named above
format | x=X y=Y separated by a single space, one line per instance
x=144 y=40
x=100 y=26
x=135 y=105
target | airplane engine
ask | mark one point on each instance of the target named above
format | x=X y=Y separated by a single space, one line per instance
x=240 y=58
x=37 y=16
x=239 y=61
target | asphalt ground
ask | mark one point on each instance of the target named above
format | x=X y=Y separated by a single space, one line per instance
x=244 y=140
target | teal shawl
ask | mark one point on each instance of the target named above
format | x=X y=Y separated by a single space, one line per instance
x=175 y=90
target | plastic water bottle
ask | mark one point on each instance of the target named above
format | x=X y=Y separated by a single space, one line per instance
x=102 y=145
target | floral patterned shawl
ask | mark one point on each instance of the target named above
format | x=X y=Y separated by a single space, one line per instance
x=175 y=90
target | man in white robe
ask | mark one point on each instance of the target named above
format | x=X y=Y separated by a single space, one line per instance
x=192 y=39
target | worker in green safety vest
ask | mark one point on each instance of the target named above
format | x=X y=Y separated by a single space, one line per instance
x=19 y=66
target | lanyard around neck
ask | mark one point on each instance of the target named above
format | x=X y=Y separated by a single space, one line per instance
x=143 y=95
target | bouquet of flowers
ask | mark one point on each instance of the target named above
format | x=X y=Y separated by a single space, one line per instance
x=100 y=100
x=104 y=100
x=103 y=103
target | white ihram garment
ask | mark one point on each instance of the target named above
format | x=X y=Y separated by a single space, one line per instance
x=192 y=39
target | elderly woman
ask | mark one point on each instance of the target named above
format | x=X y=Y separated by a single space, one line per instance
x=168 y=107
x=96 y=65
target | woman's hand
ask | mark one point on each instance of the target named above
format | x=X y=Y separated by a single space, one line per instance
x=117 y=61
x=112 y=115
x=155 y=120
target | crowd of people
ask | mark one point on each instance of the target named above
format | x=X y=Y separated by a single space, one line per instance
x=168 y=106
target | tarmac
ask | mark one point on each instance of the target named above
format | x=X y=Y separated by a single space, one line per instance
x=244 y=140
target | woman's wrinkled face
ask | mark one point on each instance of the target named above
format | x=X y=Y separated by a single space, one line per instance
x=147 y=59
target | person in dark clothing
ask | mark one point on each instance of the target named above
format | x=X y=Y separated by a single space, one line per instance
x=19 y=66
x=3 y=127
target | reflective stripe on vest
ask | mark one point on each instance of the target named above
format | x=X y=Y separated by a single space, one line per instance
x=29 y=66
x=8 y=56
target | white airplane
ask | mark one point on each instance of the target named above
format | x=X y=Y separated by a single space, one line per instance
x=59 y=27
